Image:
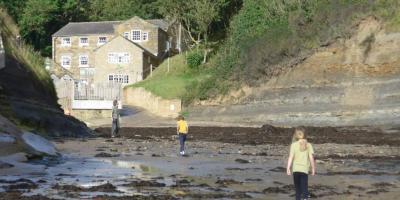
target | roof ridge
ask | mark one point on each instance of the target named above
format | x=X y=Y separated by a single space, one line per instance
x=92 y=22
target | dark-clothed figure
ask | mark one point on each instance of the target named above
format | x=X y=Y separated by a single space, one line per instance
x=115 y=119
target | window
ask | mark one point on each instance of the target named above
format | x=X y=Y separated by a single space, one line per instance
x=83 y=41
x=86 y=72
x=66 y=61
x=145 y=36
x=83 y=61
x=136 y=35
x=126 y=35
x=66 y=42
x=118 y=58
x=102 y=40
x=118 y=78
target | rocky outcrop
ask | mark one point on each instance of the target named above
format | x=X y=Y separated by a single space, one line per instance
x=13 y=140
x=353 y=81
x=24 y=99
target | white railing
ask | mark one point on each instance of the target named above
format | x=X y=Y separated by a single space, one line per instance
x=107 y=91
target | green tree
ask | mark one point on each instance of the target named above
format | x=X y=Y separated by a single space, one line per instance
x=196 y=17
x=36 y=21
x=14 y=7
x=122 y=9
x=41 y=18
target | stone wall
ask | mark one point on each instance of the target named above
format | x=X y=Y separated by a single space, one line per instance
x=161 y=107
x=85 y=115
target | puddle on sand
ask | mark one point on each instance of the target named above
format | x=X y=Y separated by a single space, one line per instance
x=85 y=173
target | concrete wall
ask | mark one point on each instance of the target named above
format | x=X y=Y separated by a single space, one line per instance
x=154 y=104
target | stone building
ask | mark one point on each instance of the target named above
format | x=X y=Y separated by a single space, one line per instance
x=122 y=52
x=92 y=61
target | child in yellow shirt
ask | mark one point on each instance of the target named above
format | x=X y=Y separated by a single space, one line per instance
x=300 y=159
x=182 y=130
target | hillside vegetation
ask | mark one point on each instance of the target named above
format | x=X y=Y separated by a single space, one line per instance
x=23 y=53
x=268 y=37
x=172 y=83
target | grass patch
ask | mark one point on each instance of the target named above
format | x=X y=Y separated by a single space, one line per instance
x=23 y=52
x=172 y=83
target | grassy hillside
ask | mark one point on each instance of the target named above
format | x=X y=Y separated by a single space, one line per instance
x=172 y=84
x=268 y=37
x=22 y=52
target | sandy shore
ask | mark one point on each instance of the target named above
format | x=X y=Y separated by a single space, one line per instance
x=148 y=167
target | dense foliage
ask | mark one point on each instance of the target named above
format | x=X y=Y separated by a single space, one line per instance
x=39 y=19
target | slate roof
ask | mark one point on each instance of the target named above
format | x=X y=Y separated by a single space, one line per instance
x=87 y=28
x=98 y=28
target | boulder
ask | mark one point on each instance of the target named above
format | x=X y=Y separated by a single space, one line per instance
x=38 y=145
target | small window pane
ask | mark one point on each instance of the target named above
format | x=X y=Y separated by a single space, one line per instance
x=136 y=35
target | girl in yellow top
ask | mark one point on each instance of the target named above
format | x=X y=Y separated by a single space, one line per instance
x=301 y=156
x=182 y=130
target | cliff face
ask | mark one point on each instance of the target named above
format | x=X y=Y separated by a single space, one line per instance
x=353 y=81
x=26 y=100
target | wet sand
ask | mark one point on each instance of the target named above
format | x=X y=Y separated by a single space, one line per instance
x=222 y=163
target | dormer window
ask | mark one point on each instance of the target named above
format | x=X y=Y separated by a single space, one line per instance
x=126 y=35
x=102 y=40
x=66 y=42
x=145 y=36
x=136 y=35
x=84 y=41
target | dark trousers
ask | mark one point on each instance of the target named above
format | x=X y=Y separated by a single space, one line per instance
x=301 y=184
x=114 y=127
x=182 y=140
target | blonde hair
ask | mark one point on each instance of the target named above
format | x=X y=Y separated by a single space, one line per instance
x=301 y=137
x=180 y=117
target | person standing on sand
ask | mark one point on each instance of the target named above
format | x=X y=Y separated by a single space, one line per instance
x=182 y=130
x=301 y=156
x=115 y=119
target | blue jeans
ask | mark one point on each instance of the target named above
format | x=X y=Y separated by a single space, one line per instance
x=301 y=184
x=182 y=140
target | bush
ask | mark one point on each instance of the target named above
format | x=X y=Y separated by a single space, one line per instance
x=194 y=59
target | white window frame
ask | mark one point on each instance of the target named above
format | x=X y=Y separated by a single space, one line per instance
x=101 y=43
x=118 y=78
x=81 y=59
x=145 y=36
x=66 y=65
x=138 y=37
x=126 y=35
x=64 y=43
x=83 y=44
x=118 y=58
